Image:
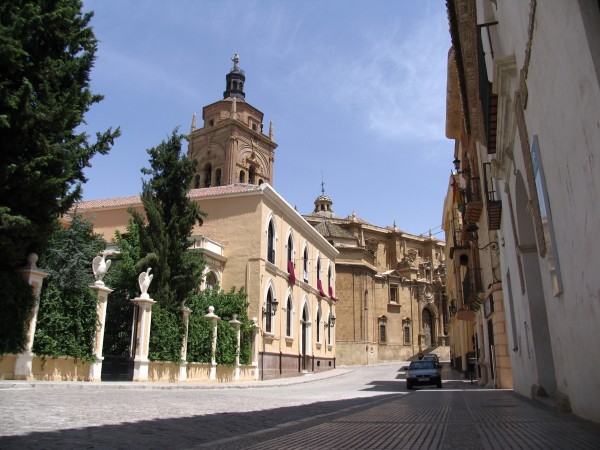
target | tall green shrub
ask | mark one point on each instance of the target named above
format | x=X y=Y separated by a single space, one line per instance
x=67 y=318
x=200 y=329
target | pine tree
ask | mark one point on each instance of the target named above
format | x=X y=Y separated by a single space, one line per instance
x=170 y=217
x=47 y=50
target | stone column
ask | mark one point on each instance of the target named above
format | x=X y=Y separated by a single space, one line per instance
x=102 y=292
x=237 y=324
x=213 y=358
x=142 y=339
x=35 y=278
x=183 y=366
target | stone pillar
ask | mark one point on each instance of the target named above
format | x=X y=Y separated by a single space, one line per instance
x=237 y=324
x=35 y=278
x=142 y=338
x=102 y=292
x=256 y=329
x=213 y=357
x=183 y=366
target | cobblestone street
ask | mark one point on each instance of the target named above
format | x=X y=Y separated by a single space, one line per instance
x=359 y=407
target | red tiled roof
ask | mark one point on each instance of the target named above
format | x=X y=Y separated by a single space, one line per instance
x=133 y=200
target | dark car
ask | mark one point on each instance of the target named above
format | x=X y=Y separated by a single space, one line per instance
x=423 y=373
x=432 y=357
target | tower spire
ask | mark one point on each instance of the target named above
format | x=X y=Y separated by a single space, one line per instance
x=235 y=80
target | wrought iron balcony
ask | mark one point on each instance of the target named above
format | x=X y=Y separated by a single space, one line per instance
x=474 y=204
x=493 y=206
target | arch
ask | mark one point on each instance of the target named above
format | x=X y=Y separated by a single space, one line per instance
x=242 y=176
x=290 y=245
x=289 y=315
x=207 y=174
x=211 y=280
x=271 y=239
x=428 y=327
x=305 y=262
x=268 y=306
x=319 y=317
x=305 y=335
x=534 y=292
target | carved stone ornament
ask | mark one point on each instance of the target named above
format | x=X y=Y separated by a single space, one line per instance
x=144 y=281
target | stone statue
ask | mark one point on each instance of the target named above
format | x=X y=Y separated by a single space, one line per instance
x=144 y=280
x=100 y=266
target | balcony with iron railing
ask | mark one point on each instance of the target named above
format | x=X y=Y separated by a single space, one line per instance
x=472 y=286
x=474 y=203
x=493 y=206
x=489 y=100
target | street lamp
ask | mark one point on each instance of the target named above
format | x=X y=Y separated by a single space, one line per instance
x=331 y=321
x=271 y=308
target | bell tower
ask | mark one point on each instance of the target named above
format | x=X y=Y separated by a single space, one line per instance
x=231 y=147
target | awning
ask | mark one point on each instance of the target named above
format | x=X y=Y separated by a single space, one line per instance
x=320 y=288
x=291 y=271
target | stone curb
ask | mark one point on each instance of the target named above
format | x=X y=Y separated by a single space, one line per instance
x=279 y=382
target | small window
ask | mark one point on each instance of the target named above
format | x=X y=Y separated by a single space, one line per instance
x=268 y=315
x=319 y=324
x=211 y=280
x=242 y=176
x=393 y=293
x=305 y=264
x=254 y=127
x=196 y=181
x=271 y=243
x=207 y=175
x=382 y=333
x=288 y=325
x=218 y=177
x=211 y=123
x=406 y=335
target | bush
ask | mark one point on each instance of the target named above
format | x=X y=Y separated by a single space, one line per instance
x=16 y=303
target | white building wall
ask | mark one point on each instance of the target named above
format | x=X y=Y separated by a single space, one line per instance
x=563 y=110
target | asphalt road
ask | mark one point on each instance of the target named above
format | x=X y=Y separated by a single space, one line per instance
x=355 y=407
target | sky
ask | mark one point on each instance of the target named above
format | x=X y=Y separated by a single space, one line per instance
x=356 y=91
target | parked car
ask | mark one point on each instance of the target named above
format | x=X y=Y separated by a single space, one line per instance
x=423 y=373
x=432 y=357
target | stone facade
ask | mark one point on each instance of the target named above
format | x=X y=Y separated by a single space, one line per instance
x=390 y=285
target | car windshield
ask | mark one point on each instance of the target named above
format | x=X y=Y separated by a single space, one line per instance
x=418 y=365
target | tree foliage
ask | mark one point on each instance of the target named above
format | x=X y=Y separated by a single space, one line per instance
x=67 y=317
x=16 y=303
x=47 y=50
x=167 y=226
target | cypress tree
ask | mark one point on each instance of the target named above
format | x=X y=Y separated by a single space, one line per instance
x=47 y=50
x=170 y=217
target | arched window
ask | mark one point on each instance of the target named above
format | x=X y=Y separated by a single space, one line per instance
x=251 y=174
x=218 y=177
x=196 y=181
x=329 y=327
x=207 y=175
x=305 y=264
x=211 y=280
x=319 y=324
x=271 y=243
x=242 y=176
x=319 y=268
x=329 y=278
x=260 y=181
x=288 y=316
x=268 y=315
x=290 y=248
